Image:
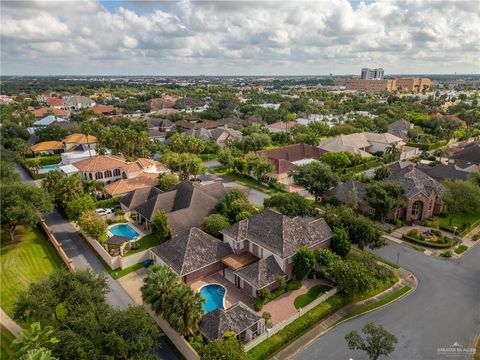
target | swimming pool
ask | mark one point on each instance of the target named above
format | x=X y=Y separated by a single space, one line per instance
x=49 y=167
x=124 y=230
x=214 y=296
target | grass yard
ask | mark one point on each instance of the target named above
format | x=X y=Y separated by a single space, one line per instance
x=144 y=243
x=461 y=249
x=458 y=221
x=6 y=338
x=251 y=183
x=313 y=293
x=117 y=274
x=31 y=257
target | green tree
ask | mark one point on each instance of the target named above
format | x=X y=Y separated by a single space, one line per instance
x=382 y=197
x=214 y=223
x=258 y=166
x=240 y=165
x=159 y=226
x=226 y=348
x=186 y=144
x=382 y=172
x=63 y=188
x=351 y=277
x=184 y=164
x=78 y=206
x=39 y=354
x=34 y=338
x=22 y=205
x=341 y=243
x=326 y=256
x=290 y=204
x=460 y=197
x=236 y=206
x=225 y=157
x=336 y=161
x=157 y=286
x=303 y=263
x=392 y=152
x=167 y=181
x=376 y=342
x=316 y=177
x=93 y=225
x=51 y=132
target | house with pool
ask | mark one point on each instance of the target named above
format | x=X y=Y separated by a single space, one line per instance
x=253 y=254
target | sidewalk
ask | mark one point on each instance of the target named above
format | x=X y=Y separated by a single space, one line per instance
x=406 y=278
x=11 y=325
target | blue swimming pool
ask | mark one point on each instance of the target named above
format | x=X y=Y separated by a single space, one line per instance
x=49 y=167
x=124 y=230
x=213 y=295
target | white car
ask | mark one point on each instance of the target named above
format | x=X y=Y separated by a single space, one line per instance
x=101 y=211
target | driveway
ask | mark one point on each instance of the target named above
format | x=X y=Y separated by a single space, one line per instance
x=256 y=197
x=84 y=258
x=443 y=310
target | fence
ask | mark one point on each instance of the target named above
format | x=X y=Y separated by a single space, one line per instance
x=284 y=323
x=179 y=341
x=66 y=259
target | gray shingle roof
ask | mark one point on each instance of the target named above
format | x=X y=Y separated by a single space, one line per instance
x=191 y=250
x=443 y=172
x=186 y=205
x=117 y=240
x=400 y=128
x=278 y=233
x=342 y=191
x=470 y=153
x=415 y=181
x=139 y=196
x=261 y=273
x=238 y=318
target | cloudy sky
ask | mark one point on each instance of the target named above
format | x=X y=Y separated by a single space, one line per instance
x=239 y=37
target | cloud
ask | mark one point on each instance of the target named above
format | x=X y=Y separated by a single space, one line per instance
x=239 y=37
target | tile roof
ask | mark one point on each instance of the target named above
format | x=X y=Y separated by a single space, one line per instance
x=139 y=196
x=278 y=233
x=237 y=318
x=100 y=163
x=103 y=109
x=283 y=157
x=52 y=101
x=356 y=143
x=160 y=103
x=261 y=273
x=46 y=146
x=123 y=186
x=191 y=250
x=206 y=124
x=80 y=139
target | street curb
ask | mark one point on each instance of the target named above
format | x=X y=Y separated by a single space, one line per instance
x=320 y=334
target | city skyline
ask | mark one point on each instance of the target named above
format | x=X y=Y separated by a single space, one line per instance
x=115 y=38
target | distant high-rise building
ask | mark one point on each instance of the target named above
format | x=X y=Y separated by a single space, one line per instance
x=372 y=74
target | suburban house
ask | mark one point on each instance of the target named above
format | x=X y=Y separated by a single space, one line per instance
x=77 y=102
x=190 y=105
x=194 y=254
x=79 y=142
x=441 y=172
x=109 y=168
x=286 y=158
x=400 y=128
x=42 y=112
x=164 y=102
x=48 y=120
x=263 y=248
x=47 y=148
x=421 y=198
x=105 y=109
x=54 y=102
x=221 y=135
x=468 y=156
x=195 y=123
x=157 y=129
x=124 y=186
x=366 y=143
x=186 y=205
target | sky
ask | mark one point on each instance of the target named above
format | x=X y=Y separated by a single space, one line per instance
x=94 y=37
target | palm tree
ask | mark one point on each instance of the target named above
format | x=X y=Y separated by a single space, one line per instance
x=157 y=286
x=392 y=151
x=185 y=310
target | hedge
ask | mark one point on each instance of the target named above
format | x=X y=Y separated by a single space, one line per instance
x=31 y=173
x=429 y=244
x=108 y=203
x=45 y=160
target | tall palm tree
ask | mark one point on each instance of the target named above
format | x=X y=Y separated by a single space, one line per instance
x=157 y=286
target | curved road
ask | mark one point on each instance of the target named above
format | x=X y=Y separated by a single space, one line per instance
x=443 y=310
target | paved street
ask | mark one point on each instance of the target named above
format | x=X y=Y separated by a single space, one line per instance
x=84 y=258
x=255 y=196
x=443 y=310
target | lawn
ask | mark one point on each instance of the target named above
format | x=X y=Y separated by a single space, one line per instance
x=459 y=221
x=30 y=258
x=6 y=338
x=118 y=273
x=144 y=243
x=461 y=249
x=246 y=181
x=313 y=293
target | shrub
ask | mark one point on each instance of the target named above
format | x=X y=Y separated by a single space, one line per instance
x=264 y=294
x=427 y=243
x=413 y=233
x=326 y=257
x=446 y=254
x=258 y=303
x=341 y=243
x=294 y=285
x=461 y=249
x=303 y=263
x=436 y=232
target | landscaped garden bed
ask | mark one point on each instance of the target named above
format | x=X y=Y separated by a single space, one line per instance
x=435 y=239
x=464 y=224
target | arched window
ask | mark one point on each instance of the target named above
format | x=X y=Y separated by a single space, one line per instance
x=108 y=174
x=116 y=172
x=98 y=175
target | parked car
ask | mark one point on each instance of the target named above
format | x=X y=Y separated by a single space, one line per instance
x=102 y=211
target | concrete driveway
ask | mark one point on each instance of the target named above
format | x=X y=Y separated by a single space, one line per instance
x=445 y=309
x=256 y=197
